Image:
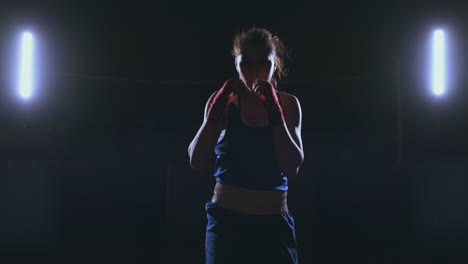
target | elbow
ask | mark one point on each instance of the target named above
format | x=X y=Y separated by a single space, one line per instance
x=197 y=164
x=198 y=167
x=291 y=173
x=292 y=170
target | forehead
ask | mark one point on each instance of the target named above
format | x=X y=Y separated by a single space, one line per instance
x=256 y=51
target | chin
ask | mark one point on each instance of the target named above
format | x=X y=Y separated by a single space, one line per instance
x=248 y=85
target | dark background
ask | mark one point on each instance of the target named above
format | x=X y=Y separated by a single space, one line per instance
x=94 y=167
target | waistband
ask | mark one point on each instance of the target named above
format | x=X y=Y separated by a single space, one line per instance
x=257 y=202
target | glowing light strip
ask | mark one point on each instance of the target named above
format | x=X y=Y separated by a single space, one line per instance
x=26 y=65
x=438 y=62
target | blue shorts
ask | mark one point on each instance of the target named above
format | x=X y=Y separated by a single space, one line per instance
x=233 y=237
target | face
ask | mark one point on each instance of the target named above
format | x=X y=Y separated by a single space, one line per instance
x=255 y=62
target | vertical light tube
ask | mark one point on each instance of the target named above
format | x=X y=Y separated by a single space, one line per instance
x=26 y=66
x=438 y=62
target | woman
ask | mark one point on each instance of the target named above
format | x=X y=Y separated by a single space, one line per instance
x=255 y=131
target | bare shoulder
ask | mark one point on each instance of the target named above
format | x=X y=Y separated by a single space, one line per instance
x=291 y=108
x=293 y=116
x=289 y=100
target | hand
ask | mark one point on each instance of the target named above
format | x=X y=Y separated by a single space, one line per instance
x=266 y=92
x=263 y=89
x=228 y=92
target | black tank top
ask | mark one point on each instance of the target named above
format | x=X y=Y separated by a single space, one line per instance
x=245 y=157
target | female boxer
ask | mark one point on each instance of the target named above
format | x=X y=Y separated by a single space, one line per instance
x=255 y=132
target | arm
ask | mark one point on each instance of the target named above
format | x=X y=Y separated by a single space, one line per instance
x=200 y=149
x=287 y=138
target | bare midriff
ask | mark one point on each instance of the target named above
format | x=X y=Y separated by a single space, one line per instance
x=257 y=202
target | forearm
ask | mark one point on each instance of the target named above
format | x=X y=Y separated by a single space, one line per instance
x=288 y=154
x=201 y=147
